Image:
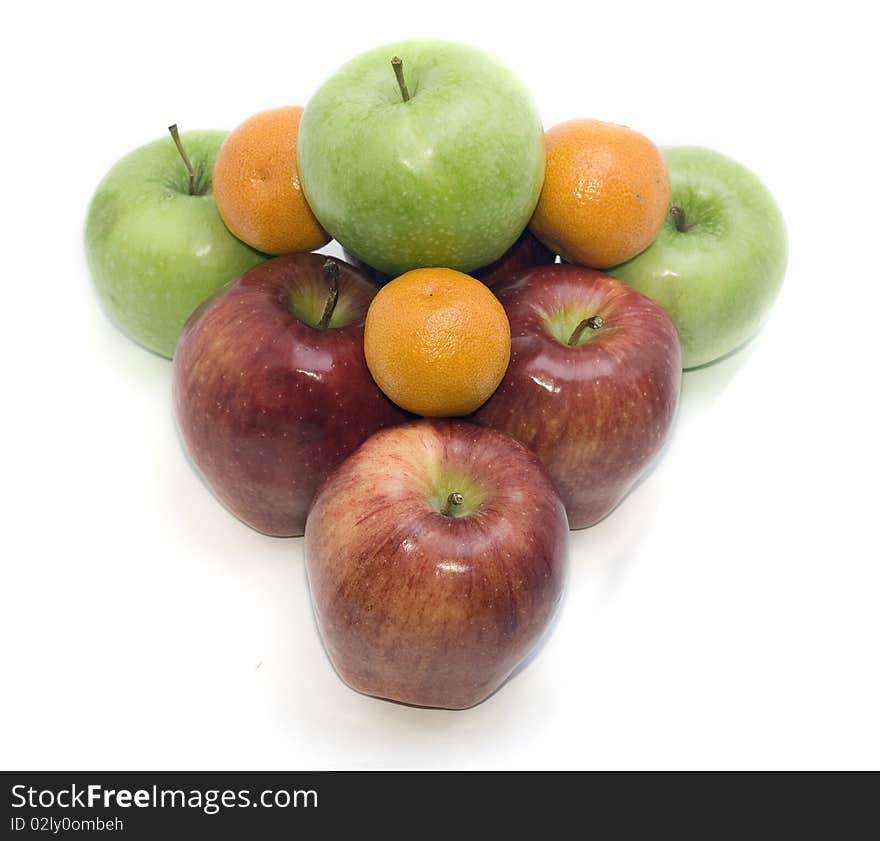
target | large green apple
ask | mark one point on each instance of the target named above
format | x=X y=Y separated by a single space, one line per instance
x=718 y=262
x=441 y=168
x=156 y=245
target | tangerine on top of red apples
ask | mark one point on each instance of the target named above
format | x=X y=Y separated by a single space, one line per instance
x=437 y=342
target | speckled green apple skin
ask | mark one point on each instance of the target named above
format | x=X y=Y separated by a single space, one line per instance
x=156 y=252
x=719 y=278
x=448 y=178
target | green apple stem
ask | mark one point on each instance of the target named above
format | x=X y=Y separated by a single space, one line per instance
x=186 y=161
x=331 y=273
x=397 y=64
x=594 y=322
x=679 y=220
x=452 y=502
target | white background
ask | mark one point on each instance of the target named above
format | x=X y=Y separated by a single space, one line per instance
x=726 y=615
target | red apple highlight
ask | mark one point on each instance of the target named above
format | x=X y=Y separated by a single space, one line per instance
x=436 y=556
x=271 y=389
x=593 y=382
x=526 y=252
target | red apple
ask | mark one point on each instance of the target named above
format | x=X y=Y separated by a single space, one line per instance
x=593 y=382
x=528 y=251
x=436 y=556
x=271 y=388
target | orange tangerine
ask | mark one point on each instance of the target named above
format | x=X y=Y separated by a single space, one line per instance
x=257 y=187
x=605 y=196
x=437 y=342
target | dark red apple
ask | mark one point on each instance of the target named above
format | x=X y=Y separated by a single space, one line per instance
x=528 y=251
x=593 y=382
x=271 y=388
x=436 y=556
x=373 y=274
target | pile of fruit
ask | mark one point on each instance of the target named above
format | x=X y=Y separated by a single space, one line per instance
x=437 y=410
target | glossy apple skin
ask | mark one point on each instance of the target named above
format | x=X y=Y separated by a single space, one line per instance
x=598 y=413
x=528 y=251
x=268 y=405
x=155 y=252
x=428 y=609
x=448 y=178
x=718 y=279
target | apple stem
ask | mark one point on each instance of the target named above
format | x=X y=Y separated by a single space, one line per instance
x=679 y=220
x=594 y=322
x=452 y=501
x=186 y=161
x=397 y=64
x=331 y=272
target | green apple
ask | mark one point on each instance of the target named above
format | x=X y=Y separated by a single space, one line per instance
x=436 y=159
x=156 y=245
x=718 y=262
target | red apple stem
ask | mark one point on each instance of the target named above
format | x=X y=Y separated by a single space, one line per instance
x=397 y=64
x=452 y=501
x=175 y=135
x=331 y=273
x=594 y=322
x=679 y=220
